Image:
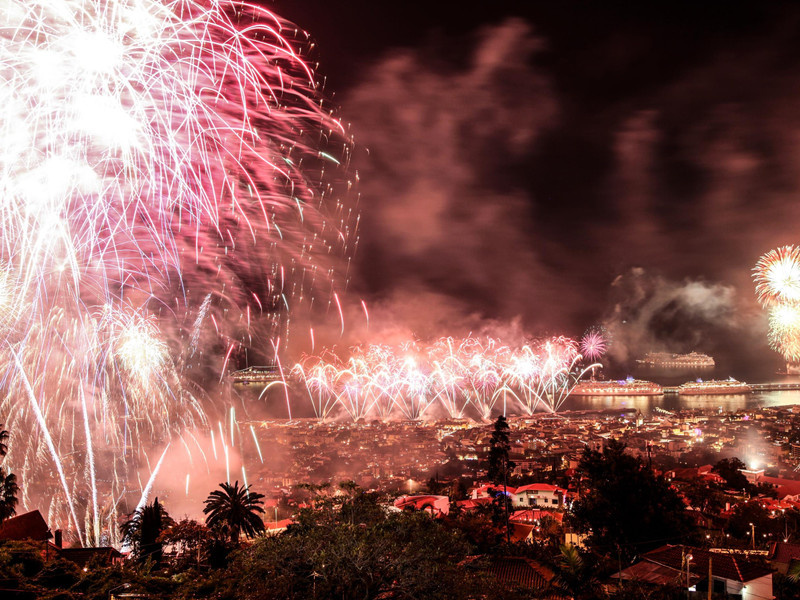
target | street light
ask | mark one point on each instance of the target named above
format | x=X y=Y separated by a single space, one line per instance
x=688 y=560
x=753 y=534
x=785 y=527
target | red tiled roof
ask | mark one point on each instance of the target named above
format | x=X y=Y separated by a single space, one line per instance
x=727 y=566
x=523 y=572
x=470 y=504
x=520 y=531
x=533 y=514
x=539 y=487
x=784 y=552
x=786 y=487
x=30 y=526
x=282 y=524
x=82 y=556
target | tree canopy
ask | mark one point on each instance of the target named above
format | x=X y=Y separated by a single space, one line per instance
x=235 y=508
x=626 y=507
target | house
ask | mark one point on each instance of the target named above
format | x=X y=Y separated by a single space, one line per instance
x=489 y=490
x=730 y=573
x=516 y=572
x=525 y=573
x=28 y=526
x=275 y=527
x=436 y=505
x=783 y=555
x=539 y=494
x=83 y=557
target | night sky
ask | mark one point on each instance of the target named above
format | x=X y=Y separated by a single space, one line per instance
x=569 y=164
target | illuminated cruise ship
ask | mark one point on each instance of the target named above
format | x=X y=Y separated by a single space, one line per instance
x=623 y=387
x=256 y=375
x=715 y=386
x=677 y=361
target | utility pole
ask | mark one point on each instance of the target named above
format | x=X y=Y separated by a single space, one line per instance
x=710 y=578
x=505 y=497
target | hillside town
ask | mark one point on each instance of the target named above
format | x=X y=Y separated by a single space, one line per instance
x=733 y=475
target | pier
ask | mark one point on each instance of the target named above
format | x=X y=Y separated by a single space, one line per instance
x=754 y=387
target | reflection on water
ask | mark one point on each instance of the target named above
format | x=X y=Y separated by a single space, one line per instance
x=673 y=402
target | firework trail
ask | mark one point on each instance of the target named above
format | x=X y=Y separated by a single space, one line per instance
x=161 y=171
x=777 y=281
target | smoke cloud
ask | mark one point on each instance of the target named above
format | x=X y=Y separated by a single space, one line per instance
x=495 y=187
x=442 y=218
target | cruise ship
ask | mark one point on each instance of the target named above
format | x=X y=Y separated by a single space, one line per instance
x=715 y=386
x=623 y=387
x=679 y=361
x=256 y=375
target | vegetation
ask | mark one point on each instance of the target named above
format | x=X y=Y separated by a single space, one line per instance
x=627 y=508
x=236 y=510
x=345 y=542
x=499 y=467
x=143 y=532
x=8 y=483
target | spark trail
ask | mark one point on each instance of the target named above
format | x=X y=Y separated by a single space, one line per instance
x=450 y=376
x=163 y=178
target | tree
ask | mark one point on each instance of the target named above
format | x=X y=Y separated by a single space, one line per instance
x=143 y=531
x=499 y=447
x=627 y=508
x=8 y=495
x=187 y=538
x=575 y=573
x=499 y=465
x=3 y=441
x=704 y=496
x=327 y=554
x=237 y=509
x=749 y=521
x=8 y=483
x=730 y=469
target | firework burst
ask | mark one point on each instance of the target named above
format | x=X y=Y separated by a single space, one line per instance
x=160 y=175
x=453 y=377
x=777 y=280
x=777 y=276
x=594 y=343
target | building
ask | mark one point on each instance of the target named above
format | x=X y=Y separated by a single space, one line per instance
x=28 y=526
x=435 y=505
x=539 y=494
x=684 y=566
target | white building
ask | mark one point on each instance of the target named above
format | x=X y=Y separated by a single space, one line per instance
x=542 y=495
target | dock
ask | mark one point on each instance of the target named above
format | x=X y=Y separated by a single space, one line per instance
x=754 y=387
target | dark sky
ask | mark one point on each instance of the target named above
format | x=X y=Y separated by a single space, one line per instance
x=569 y=163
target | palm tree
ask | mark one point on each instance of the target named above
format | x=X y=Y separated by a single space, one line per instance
x=143 y=531
x=237 y=508
x=3 y=441
x=8 y=495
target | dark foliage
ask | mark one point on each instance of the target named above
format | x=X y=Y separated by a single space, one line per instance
x=627 y=508
x=730 y=469
x=235 y=508
x=144 y=529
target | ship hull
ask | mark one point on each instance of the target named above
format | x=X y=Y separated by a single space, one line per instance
x=743 y=389
x=640 y=388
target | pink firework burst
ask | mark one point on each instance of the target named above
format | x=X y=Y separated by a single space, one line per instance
x=593 y=344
